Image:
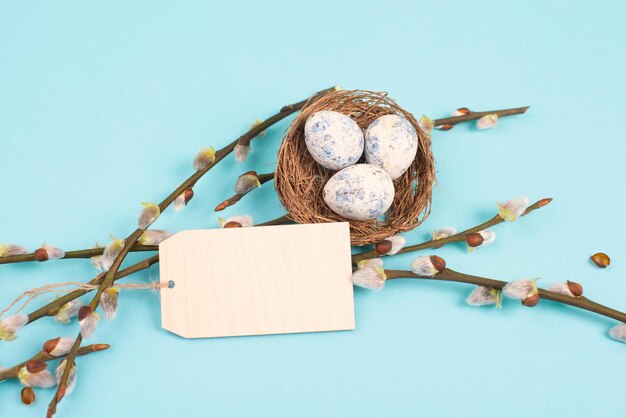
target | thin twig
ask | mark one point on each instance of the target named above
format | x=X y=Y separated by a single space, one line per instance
x=448 y=123
x=458 y=237
x=86 y=253
x=131 y=240
x=454 y=276
x=13 y=372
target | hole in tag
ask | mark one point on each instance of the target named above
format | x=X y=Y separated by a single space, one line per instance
x=171 y=284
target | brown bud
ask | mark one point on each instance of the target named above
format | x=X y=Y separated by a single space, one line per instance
x=188 y=195
x=36 y=366
x=28 y=395
x=601 y=260
x=463 y=110
x=248 y=173
x=232 y=224
x=41 y=254
x=84 y=312
x=545 y=201
x=50 y=345
x=575 y=288
x=531 y=300
x=101 y=347
x=438 y=263
x=445 y=127
x=383 y=247
x=222 y=206
x=474 y=239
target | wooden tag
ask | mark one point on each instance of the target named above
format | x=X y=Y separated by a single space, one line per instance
x=258 y=280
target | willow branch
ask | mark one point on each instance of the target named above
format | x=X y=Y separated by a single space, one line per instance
x=448 y=123
x=86 y=253
x=263 y=178
x=458 y=237
x=454 y=276
x=131 y=240
x=12 y=372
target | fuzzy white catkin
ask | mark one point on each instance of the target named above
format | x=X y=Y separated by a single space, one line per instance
x=488 y=237
x=423 y=266
x=11 y=325
x=111 y=251
x=42 y=379
x=397 y=243
x=154 y=236
x=88 y=325
x=561 y=288
x=370 y=262
x=514 y=208
x=481 y=296
x=368 y=278
x=68 y=311
x=8 y=250
x=54 y=253
x=519 y=289
x=241 y=152
x=64 y=345
x=618 y=332
x=71 y=380
x=443 y=233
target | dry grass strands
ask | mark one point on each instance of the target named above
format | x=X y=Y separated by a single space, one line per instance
x=300 y=180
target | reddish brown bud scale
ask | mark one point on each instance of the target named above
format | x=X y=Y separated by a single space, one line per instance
x=84 y=312
x=188 y=195
x=531 y=300
x=36 y=366
x=100 y=347
x=222 y=206
x=28 y=395
x=41 y=255
x=50 y=345
x=463 y=111
x=601 y=260
x=445 y=127
x=575 y=288
x=232 y=224
x=545 y=201
x=474 y=239
x=383 y=247
x=248 y=173
x=438 y=263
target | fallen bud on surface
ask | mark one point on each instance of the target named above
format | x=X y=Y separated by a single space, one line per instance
x=601 y=260
x=28 y=395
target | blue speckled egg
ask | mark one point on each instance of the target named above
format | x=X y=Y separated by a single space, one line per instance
x=334 y=140
x=391 y=144
x=359 y=192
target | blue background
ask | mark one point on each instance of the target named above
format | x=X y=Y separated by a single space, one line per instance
x=104 y=105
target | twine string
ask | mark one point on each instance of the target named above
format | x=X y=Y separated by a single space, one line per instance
x=66 y=287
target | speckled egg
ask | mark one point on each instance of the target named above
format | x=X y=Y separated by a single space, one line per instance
x=391 y=144
x=334 y=140
x=359 y=192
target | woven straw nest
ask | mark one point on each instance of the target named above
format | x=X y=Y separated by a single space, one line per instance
x=300 y=180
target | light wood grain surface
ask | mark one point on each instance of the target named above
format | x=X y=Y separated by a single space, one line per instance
x=260 y=280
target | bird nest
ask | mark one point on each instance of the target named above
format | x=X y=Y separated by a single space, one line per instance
x=300 y=180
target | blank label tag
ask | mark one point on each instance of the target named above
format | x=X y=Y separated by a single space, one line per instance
x=258 y=280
